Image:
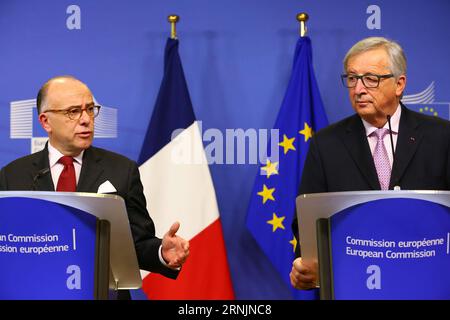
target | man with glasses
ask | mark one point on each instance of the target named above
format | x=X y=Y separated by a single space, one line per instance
x=66 y=110
x=382 y=146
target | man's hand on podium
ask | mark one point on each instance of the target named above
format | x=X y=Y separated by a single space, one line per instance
x=304 y=274
x=175 y=249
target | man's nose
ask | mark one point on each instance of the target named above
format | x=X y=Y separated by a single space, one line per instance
x=359 y=87
x=85 y=118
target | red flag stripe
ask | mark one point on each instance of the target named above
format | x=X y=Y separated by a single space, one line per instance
x=205 y=275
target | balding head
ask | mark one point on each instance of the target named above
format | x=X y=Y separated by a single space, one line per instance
x=57 y=97
x=43 y=94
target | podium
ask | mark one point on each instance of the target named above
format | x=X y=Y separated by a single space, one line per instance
x=65 y=245
x=378 y=244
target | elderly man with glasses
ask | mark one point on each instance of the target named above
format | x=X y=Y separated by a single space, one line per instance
x=383 y=145
x=66 y=111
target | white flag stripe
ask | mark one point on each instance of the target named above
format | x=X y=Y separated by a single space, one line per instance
x=177 y=191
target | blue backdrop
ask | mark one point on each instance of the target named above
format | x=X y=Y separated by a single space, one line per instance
x=237 y=56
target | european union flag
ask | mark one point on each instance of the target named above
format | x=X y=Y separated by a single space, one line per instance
x=272 y=204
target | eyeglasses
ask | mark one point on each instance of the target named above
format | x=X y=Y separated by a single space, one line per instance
x=369 y=80
x=74 y=113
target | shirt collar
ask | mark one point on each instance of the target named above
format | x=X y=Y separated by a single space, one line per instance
x=54 y=155
x=395 y=122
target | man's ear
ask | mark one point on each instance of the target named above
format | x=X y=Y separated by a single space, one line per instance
x=45 y=123
x=401 y=84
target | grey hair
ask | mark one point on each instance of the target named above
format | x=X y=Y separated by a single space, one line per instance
x=397 y=58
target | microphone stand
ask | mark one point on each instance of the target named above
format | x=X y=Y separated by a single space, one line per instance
x=392 y=144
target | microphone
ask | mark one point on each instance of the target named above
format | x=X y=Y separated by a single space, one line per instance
x=39 y=175
x=390 y=134
x=392 y=144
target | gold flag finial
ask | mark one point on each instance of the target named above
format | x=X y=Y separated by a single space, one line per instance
x=173 y=19
x=302 y=18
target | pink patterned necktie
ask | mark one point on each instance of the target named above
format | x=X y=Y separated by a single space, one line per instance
x=381 y=159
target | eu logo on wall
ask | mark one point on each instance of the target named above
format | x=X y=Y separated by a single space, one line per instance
x=24 y=124
x=424 y=102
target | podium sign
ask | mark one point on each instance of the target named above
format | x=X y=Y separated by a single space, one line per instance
x=66 y=245
x=47 y=250
x=391 y=249
x=378 y=244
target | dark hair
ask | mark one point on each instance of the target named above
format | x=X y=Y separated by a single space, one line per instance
x=42 y=94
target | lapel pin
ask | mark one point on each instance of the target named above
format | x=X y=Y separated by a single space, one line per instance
x=412 y=139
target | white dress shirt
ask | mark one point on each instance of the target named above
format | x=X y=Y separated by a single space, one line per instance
x=56 y=168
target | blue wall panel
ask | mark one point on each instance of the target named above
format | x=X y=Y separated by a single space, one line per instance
x=237 y=58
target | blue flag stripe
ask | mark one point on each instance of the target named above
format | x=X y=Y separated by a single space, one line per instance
x=173 y=108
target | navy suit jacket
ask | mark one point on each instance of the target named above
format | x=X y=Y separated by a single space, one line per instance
x=339 y=157
x=99 y=165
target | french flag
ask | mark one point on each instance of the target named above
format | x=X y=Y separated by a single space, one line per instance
x=178 y=187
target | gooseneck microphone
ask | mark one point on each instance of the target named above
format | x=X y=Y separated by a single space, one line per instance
x=39 y=175
x=390 y=134
x=392 y=145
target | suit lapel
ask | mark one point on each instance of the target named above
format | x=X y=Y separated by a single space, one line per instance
x=42 y=182
x=408 y=140
x=356 y=143
x=91 y=171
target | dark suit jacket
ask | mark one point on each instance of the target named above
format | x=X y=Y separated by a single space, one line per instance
x=99 y=165
x=339 y=157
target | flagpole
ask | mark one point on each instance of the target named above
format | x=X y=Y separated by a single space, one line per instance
x=302 y=18
x=173 y=19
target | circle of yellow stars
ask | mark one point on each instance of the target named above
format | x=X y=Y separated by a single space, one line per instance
x=430 y=110
x=271 y=168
